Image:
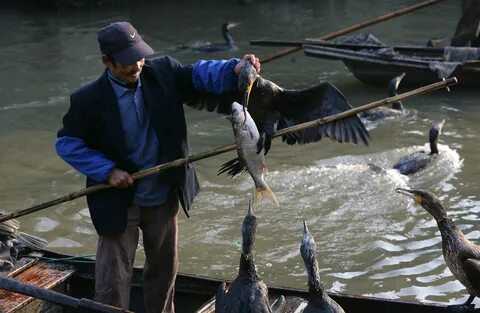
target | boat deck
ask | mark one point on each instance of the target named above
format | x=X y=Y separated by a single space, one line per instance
x=40 y=274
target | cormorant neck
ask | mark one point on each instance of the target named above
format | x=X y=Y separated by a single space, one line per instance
x=247 y=266
x=228 y=37
x=433 y=147
x=314 y=284
x=397 y=106
x=448 y=229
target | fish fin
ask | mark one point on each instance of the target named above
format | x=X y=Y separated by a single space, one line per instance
x=232 y=167
x=265 y=192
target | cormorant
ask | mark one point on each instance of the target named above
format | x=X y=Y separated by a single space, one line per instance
x=273 y=108
x=461 y=256
x=414 y=162
x=228 y=45
x=319 y=300
x=247 y=293
x=383 y=112
x=13 y=244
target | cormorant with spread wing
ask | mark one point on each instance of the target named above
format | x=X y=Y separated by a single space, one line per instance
x=273 y=108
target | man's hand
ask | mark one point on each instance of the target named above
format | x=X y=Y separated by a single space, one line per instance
x=120 y=179
x=248 y=58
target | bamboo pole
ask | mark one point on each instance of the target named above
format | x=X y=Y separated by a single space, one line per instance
x=353 y=28
x=222 y=149
x=322 y=43
x=82 y=305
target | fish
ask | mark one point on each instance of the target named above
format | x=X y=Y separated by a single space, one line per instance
x=250 y=157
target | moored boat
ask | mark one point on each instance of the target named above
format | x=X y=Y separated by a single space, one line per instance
x=377 y=65
x=194 y=293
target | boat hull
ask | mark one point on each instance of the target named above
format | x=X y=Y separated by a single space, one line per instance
x=378 y=70
x=194 y=293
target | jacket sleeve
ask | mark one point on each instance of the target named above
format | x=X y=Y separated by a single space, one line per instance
x=215 y=76
x=87 y=161
x=71 y=144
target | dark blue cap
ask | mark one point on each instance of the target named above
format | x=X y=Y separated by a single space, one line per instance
x=121 y=41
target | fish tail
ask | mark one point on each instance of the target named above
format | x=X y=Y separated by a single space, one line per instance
x=265 y=192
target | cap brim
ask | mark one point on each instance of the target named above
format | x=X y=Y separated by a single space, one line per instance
x=133 y=54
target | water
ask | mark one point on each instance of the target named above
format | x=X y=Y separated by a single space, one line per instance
x=371 y=240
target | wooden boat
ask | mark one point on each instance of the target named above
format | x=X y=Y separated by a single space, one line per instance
x=75 y=277
x=419 y=63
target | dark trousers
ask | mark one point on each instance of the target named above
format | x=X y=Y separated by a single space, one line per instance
x=116 y=255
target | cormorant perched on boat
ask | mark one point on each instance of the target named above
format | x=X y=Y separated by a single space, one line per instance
x=414 y=162
x=14 y=243
x=319 y=300
x=247 y=293
x=273 y=108
x=228 y=45
x=461 y=256
x=383 y=112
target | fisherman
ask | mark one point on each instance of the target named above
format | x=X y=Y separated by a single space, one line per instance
x=129 y=119
x=468 y=27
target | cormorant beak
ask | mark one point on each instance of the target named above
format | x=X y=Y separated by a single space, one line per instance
x=246 y=93
x=246 y=97
x=251 y=211
x=411 y=194
x=305 y=228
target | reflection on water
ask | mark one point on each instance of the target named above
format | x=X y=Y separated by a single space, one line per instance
x=370 y=239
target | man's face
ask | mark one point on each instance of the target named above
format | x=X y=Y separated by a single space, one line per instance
x=127 y=73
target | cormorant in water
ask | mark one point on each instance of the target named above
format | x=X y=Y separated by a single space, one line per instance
x=383 y=112
x=228 y=45
x=319 y=301
x=461 y=256
x=247 y=293
x=414 y=162
x=273 y=108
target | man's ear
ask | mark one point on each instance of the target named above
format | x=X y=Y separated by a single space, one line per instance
x=107 y=61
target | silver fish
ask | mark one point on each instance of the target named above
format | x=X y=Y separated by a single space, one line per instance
x=250 y=158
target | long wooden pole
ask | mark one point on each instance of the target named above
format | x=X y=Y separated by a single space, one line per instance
x=222 y=149
x=82 y=305
x=353 y=28
x=323 y=43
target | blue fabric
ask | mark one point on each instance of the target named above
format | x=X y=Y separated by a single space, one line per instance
x=142 y=144
x=89 y=162
x=215 y=76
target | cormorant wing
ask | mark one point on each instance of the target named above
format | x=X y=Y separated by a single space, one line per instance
x=299 y=106
x=472 y=269
x=237 y=298
x=220 y=103
x=220 y=298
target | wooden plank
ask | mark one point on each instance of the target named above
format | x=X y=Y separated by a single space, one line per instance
x=22 y=265
x=43 y=275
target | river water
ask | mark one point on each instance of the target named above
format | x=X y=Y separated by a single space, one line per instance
x=371 y=241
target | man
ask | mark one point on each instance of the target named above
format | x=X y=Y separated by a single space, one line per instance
x=129 y=119
x=468 y=27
